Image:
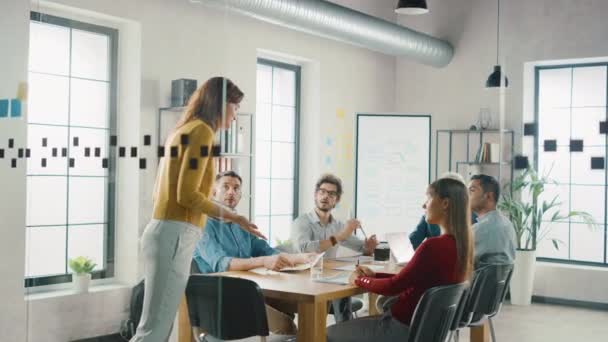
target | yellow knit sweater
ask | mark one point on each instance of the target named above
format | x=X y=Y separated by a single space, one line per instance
x=184 y=181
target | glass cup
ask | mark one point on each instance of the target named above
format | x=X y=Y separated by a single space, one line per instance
x=316 y=270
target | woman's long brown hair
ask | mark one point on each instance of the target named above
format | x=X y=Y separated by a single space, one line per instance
x=458 y=221
x=207 y=102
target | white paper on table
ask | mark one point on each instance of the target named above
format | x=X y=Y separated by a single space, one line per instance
x=344 y=252
x=340 y=279
x=303 y=267
x=263 y=271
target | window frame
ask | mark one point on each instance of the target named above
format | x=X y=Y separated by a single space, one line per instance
x=296 y=180
x=537 y=151
x=108 y=243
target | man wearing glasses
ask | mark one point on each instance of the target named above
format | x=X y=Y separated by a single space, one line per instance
x=318 y=231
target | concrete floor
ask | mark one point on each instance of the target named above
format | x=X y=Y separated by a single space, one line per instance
x=542 y=323
x=545 y=322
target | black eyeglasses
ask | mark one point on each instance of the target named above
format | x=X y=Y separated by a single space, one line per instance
x=323 y=192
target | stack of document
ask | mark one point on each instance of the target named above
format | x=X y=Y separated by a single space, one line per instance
x=299 y=267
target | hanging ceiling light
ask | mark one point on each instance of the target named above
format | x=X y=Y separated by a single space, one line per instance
x=412 y=7
x=495 y=78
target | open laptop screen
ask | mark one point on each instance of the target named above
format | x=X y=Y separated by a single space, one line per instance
x=401 y=247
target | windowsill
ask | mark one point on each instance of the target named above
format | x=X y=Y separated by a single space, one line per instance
x=572 y=266
x=65 y=290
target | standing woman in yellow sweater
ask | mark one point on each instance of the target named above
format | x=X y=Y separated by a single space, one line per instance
x=181 y=204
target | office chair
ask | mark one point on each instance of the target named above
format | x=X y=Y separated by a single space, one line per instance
x=435 y=313
x=227 y=308
x=488 y=290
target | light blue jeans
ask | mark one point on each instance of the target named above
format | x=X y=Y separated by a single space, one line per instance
x=167 y=248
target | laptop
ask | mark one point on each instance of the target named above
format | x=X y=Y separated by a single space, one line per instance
x=401 y=247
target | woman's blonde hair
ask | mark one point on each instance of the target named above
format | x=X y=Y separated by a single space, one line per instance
x=207 y=102
x=458 y=221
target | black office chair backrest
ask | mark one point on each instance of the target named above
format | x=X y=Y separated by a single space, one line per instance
x=226 y=308
x=194 y=269
x=488 y=291
x=435 y=313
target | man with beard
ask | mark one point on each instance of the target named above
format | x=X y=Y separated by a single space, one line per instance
x=318 y=231
x=493 y=232
x=224 y=246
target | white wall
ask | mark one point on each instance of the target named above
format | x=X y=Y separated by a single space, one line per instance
x=14 y=33
x=530 y=31
x=182 y=40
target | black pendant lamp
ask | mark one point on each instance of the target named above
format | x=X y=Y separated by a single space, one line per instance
x=496 y=76
x=412 y=7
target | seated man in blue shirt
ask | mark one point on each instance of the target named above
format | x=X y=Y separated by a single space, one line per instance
x=224 y=246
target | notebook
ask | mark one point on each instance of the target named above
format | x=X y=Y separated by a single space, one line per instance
x=340 y=279
x=352 y=267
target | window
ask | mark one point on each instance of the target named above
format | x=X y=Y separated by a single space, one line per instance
x=70 y=174
x=276 y=148
x=571 y=114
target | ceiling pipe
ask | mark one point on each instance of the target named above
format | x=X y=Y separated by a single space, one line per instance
x=329 y=20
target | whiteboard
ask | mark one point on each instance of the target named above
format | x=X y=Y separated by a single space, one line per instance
x=392 y=171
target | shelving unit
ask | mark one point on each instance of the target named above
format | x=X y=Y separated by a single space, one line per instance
x=236 y=147
x=480 y=137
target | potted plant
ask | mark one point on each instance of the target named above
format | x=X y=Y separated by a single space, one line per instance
x=81 y=277
x=284 y=246
x=532 y=219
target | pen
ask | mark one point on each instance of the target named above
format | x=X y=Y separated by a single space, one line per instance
x=363 y=231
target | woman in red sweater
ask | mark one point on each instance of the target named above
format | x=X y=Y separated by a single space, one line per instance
x=443 y=260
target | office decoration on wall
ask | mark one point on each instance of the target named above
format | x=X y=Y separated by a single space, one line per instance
x=530 y=129
x=392 y=170
x=550 y=145
x=576 y=145
x=11 y=108
x=598 y=163
x=520 y=162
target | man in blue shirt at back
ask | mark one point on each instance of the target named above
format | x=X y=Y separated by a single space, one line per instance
x=224 y=246
x=426 y=230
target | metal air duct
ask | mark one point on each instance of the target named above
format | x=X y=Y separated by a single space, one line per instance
x=326 y=19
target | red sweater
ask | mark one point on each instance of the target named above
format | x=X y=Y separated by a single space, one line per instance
x=435 y=263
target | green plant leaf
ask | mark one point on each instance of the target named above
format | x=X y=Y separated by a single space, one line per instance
x=81 y=265
x=527 y=211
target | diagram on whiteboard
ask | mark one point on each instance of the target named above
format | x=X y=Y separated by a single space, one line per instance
x=392 y=171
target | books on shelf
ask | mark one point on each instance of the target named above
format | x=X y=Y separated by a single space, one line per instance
x=487 y=153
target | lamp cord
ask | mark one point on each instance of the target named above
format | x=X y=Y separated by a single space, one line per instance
x=497 y=32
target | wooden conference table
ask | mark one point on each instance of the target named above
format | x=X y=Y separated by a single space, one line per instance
x=311 y=299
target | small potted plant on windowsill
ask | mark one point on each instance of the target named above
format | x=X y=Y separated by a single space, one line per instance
x=284 y=246
x=81 y=277
x=532 y=219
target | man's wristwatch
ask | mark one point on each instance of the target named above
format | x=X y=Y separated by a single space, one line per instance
x=333 y=240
